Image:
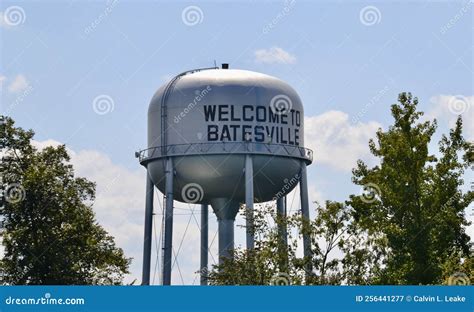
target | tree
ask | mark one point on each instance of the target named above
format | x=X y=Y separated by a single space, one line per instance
x=407 y=228
x=50 y=234
x=272 y=262
x=329 y=229
x=260 y=265
x=413 y=205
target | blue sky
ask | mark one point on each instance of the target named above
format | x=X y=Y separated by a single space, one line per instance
x=348 y=60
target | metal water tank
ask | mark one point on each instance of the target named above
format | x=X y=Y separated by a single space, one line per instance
x=209 y=120
x=223 y=137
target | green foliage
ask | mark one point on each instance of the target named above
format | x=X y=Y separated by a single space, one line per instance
x=253 y=267
x=50 y=233
x=416 y=207
x=272 y=262
x=407 y=228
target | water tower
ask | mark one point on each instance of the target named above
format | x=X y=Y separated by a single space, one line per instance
x=222 y=137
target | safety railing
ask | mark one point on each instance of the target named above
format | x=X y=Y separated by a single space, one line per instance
x=217 y=148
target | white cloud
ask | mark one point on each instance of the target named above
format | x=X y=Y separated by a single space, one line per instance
x=446 y=109
x=43 y=144
x=18 y=84
x=274 y=55
x=336 y=141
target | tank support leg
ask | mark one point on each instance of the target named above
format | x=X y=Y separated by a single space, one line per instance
x=282 y=233
x=204 y=243
x=167 y=250
x=226 y=239
x=249 y=201
x=305 y=214
x=148 y=230
x=225 y=209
